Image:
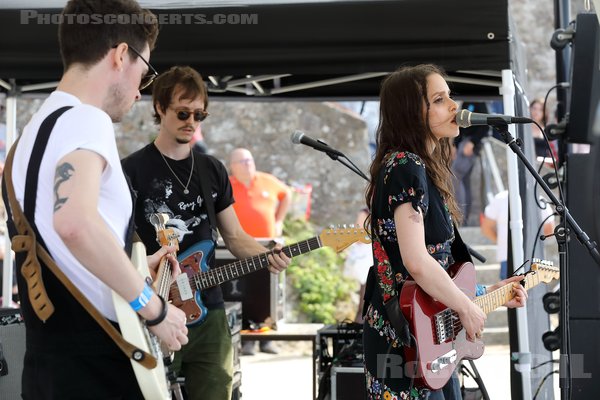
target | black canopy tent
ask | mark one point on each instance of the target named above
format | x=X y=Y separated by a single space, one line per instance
x=324 y=49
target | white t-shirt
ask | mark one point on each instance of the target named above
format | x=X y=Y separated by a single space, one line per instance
x=358 y=261
x=498 y=211
x=82 y=127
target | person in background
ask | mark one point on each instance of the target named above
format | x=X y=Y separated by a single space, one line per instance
x=261 y=200
x=261 y=203
x=359 y=259
x=81 y=211
x=468 y=147
x=413 y=210
x=494 y=226
x=168 y=177
x=197 y=142
x=536 y=111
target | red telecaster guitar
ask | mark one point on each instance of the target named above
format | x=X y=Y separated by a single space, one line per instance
x=441 y=340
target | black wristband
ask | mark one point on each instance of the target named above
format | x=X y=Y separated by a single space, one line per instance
x=161 y=317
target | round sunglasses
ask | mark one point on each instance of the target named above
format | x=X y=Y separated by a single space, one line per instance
x=184 y=115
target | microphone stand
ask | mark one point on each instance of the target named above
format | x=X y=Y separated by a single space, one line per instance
x=348 y=164
x=561 y=232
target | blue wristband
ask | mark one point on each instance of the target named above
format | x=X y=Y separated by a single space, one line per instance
x=143 y=299
x=480 y=290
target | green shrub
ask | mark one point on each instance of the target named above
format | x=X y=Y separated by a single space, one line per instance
x=315 y=280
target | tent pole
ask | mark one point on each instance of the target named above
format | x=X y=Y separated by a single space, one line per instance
x=515 y=226
x=11 y=131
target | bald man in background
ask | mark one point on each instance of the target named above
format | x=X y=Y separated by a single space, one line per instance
x=261 y=203
x=261 y=200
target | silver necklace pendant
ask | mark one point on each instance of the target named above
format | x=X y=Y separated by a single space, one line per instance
x=185 y=191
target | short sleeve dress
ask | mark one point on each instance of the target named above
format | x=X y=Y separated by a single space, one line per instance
x=402 y=179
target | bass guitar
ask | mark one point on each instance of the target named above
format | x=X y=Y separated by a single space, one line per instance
x=441 y=341
x=196 y=275
x=153 y=382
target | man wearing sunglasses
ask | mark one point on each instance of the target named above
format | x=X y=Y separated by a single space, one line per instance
x=80 y=207
x=169 y=178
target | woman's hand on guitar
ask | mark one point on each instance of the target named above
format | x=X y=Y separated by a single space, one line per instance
x=278 y=260
x=519 y=292
x=154 y=261
x=472 y=319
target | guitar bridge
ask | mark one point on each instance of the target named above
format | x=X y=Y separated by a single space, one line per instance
x=442 y=362
x=444 y=326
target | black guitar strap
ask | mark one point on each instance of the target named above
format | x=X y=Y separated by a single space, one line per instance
x=202 y=169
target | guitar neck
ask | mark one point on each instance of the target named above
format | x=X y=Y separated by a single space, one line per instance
x=492 y=300
x=163 y=278
x=225 y=273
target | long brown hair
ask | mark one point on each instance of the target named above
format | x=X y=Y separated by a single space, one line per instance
x=402 y=127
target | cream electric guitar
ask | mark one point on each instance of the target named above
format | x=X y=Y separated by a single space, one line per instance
x=153 y=382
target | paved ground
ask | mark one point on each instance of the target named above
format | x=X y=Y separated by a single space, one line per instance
x=289 y=374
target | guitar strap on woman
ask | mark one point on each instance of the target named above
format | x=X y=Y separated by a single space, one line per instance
x=459 y=249
x=392 y=306
x=25 y=240
x=202 y=165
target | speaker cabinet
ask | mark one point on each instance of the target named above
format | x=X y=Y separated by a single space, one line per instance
x=261 y=293
x=584 y=276
x=585 y=80
x=12 y=352
x=348 y=383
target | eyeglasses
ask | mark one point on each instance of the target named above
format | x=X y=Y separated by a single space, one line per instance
x=150 y=76
x=199 y=115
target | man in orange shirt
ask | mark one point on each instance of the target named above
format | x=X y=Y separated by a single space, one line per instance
x=261 y=202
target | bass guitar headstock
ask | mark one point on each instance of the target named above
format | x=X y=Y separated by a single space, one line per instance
x=164 y=236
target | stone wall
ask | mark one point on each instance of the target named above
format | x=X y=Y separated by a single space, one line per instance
x=265 y=128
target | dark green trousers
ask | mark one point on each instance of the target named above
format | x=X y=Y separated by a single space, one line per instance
x=206 y=361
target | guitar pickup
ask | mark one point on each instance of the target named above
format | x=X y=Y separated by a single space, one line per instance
x=442 y=362
x=183 y=284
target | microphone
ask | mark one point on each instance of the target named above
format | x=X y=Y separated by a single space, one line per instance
x=300 y=137
x=466 y=118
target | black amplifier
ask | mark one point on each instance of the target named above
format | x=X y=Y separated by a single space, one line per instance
x=12 y=352
x=261 y=293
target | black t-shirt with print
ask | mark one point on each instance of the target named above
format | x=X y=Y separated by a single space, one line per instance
x=158 y=191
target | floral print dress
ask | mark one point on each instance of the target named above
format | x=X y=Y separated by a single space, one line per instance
x=402 y=179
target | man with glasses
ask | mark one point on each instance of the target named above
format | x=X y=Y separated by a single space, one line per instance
x=80 y=206
x=169 y=178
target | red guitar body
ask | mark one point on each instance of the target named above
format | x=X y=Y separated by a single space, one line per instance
x=441 y=341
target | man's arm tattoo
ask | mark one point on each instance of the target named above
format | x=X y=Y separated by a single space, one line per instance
x=63 y=173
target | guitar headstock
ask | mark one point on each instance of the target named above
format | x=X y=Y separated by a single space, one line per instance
x=164 y=236
x=545 y=270
x=339 y=238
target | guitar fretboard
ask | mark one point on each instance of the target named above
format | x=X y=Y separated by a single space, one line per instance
x=214 y=277
x=492 y=300
x=488 y=303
